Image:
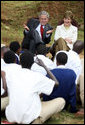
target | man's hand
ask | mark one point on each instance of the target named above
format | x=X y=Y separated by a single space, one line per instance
x=49 y=31
x=26 y=27
x=68 y=40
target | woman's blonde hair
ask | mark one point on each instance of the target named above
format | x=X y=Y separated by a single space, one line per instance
x=68 y=14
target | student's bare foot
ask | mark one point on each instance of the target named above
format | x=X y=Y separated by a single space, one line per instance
x=80 y=113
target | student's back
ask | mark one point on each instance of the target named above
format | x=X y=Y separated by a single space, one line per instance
x=66 y=78
x=24 y=87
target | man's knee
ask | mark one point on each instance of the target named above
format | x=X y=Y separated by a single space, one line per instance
x=60 y=39
x=62 y=101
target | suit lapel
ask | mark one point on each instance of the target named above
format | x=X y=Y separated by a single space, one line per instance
x=36 y=24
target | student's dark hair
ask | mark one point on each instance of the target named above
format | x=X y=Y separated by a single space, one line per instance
x=26 y=59
x=9 y=57
x=78 y=46
x=41 y=49
x=62 y=58
x=14 y=46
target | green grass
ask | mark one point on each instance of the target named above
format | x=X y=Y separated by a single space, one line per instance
x=65 y=118
x=81 y=35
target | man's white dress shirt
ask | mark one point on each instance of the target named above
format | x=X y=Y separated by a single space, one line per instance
x=38 y=30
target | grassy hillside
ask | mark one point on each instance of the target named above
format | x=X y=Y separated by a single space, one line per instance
x=15 y=13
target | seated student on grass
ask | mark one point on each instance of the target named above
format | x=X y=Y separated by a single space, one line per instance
x=24 y=88
x=15 y=47
x=80 y=86
x=35 y=67
x=67 y=86
x=77 y=65
x=4 y=98
x=41 y=53
x=74 y=61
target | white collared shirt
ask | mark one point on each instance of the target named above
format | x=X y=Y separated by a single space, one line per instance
x=61 y=67
x=38 y=29
x=74 y=63
x=48 y=62
x=62 y=32
x=36 y=68
x=24 y=87
x=17 y=56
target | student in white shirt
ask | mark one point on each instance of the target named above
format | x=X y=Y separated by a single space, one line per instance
x=81 y=84
x=74 y=61
x=4 y=92
x=65 y=34
x=24 y=88
x=41 y=52
x=6 y=59
x=4 y=98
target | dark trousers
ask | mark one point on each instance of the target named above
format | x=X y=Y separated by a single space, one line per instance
x=31 y=40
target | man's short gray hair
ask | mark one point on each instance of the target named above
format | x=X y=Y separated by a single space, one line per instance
x=44 y=13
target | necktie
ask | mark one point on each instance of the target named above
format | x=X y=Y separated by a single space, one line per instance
x=41 y=30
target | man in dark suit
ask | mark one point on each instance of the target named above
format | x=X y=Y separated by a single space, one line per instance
x=37 y=31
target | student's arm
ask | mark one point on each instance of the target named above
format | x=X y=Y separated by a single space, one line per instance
x=4 y=83
x=40 y=62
